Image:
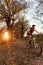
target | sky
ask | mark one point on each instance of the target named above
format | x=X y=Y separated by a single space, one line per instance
x=31 y=13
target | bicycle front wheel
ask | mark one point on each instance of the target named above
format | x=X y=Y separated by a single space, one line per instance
x=37 y=50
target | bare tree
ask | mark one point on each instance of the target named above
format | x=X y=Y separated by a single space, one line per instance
x=40 y=7
x=8 y=9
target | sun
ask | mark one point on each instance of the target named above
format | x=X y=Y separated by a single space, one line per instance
x=6 y=35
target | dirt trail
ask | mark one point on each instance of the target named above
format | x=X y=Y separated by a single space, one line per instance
x=18 y=52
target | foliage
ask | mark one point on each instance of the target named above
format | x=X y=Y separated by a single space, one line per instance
x=21 y=26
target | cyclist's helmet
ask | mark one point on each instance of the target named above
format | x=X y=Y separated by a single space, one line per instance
x=33 y=25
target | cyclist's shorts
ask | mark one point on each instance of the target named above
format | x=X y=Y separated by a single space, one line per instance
x=30 y=35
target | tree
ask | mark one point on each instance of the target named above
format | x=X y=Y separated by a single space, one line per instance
x=39 y=8
x=8 y=9
x=21 y=26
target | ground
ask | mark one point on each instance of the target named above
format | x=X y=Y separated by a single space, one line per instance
x=17 y=53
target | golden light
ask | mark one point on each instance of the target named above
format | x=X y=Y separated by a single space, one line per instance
x=6 y=35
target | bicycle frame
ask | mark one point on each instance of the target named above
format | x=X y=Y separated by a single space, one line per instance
x=35 y=42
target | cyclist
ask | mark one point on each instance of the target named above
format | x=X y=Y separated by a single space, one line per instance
x=30 y=32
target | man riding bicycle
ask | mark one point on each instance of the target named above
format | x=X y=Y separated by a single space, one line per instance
x=30 y=32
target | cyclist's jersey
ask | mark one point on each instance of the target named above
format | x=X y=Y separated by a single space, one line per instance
x=31 y=31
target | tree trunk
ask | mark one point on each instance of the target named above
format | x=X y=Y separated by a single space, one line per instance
x=22 y=34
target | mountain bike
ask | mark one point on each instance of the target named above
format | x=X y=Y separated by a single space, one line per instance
x=35 y=47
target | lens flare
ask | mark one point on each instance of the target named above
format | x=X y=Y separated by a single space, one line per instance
x=6 y=35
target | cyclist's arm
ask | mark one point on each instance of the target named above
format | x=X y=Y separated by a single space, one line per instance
x=36 y=31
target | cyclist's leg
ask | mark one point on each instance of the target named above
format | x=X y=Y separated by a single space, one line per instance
x=30 y=38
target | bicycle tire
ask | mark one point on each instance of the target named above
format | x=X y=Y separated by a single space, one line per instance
x=38 y=53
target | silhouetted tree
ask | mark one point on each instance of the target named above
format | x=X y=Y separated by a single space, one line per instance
x=8 y=9
x=21 y=26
